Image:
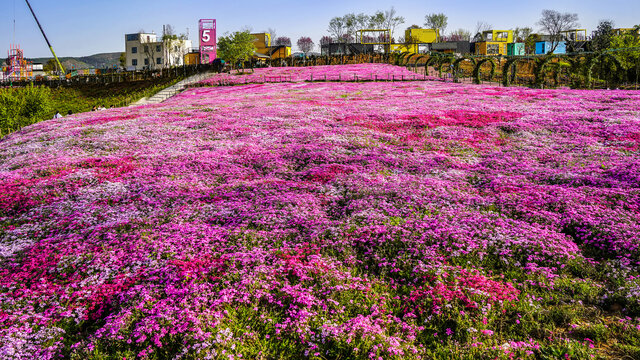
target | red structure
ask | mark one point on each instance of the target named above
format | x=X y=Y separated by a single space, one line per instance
x=18 y=68
x=208 y=41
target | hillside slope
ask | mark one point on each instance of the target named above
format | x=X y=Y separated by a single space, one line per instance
x=98 y=61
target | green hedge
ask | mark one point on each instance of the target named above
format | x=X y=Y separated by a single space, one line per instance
x=20 y=107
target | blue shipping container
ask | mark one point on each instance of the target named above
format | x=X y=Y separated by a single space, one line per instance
x=543 y=47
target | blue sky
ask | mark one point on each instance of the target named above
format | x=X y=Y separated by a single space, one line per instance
x=84 y=27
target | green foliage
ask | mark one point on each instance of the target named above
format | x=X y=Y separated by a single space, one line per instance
x=521 y=34
x=456 y=65
x=429 y=62
x=50 y=66
x=237 y=46
x=630 y=59
x=530 y=43
x=23 y=106
x=476 y=70
x=436 y=21
x=20 y=107
x=444 y=60
x=601 y=39
x=509 y=71
x=539 y=70
x=609 y=59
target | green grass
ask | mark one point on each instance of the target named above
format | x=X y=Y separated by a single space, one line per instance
x=20 y=107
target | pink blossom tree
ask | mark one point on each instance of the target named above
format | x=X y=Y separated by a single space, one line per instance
x=305 y=44
x=283 y=41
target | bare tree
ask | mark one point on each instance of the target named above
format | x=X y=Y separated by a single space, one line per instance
x=554 y=23
x=521 y=34
x=376 y=21
x=150 y=49
x=326 y=40
x=363 y=21
x=391 y=20
x=272 y=32
x=482 y=26
x=305 y=44
x=460 y=35
x=337 y=27
x=436 y=21
x=282 y=41
x=350 y=23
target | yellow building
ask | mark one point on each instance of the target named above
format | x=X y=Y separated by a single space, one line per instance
x=280 y=52
x=192 y=58
x=414 y=38
x=494 y=42
x=262 y=42
x=622 y=31
x=575 y=34
x=265 y=50
x=422 y=36
x=401 y=48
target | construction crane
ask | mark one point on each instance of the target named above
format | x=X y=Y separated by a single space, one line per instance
x=45 y=38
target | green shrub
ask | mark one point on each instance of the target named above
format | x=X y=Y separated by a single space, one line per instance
x=20 y=107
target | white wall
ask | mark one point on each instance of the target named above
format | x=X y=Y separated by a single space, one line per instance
x=158 y=54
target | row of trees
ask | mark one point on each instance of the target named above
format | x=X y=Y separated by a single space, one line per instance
x=344 y=28
x=240 y=46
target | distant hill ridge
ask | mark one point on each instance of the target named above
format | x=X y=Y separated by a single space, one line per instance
x=97 y=61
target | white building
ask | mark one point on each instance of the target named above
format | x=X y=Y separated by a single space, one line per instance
x=145 y=51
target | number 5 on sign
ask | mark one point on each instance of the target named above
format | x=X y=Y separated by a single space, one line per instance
x=206 y=37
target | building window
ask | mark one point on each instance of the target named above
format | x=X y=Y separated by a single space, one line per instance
x=146 y=49
x=146 y=61
x=158 y=48
x=133 y=37
x=134 y=62
x=493 y=49
x=134 y=50
x=159 y=61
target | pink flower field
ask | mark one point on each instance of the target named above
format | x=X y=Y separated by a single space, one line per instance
x=355 y=72
x=378 y=220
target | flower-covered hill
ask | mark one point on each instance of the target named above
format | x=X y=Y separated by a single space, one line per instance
x=326 y=220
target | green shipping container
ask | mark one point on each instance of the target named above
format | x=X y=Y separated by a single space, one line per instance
x=515 y=49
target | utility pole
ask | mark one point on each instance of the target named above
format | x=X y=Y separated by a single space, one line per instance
x=45 y=37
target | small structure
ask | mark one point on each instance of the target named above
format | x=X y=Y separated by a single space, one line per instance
x=515 y=49
x=574 y=35
x=17 y=68
x=346 y=49
x=417 y=41
x=494 y=42
x=453 y=47
x=544 y=47
x=374 y=41
x=145 y=52
x=208 y=41
x=264 y=50
x=193 y=57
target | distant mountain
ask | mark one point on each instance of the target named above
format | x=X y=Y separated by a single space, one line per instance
x=97 y=61
x=101 y=61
